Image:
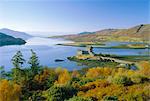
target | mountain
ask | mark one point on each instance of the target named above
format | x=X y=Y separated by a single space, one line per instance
x=9 y=40
x=16 y=34
x=87 y=33
x=138 y=33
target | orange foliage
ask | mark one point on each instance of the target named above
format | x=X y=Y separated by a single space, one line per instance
x=63 y=77
x=44 y=75
x=75 y=74
x=145 y=68
x=9 y=91
x=99 y=89
x=129 y=93
x=98 y=71
x=95 y=84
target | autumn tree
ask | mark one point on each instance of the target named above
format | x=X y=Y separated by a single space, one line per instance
x=75 y=74
x=98 y=72
x=63 y=77
x=122 y=79
x=45 y=79
x=9 y=91
x=144 y=68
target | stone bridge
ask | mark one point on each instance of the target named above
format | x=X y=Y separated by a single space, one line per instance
x=114 y=60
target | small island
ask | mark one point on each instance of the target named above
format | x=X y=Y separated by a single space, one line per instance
x=89 y=58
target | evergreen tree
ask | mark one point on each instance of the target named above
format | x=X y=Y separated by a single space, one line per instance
x=18 y=60
x=34 y=62
x=2 y=72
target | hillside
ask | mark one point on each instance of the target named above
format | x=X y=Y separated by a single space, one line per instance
x=9 y=40
x=16 y=34
x=87 y=33
x=138 y=33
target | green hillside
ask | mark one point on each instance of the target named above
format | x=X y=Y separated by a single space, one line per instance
x=9 y=40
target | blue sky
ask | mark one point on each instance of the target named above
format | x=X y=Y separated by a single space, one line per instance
x=72 y=15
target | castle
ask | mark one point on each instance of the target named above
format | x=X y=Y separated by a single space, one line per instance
x=88 y=51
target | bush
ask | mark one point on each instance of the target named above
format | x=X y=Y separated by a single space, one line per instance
x=111 y=98
x=138 y=79
x=85 y=81
x=60 y=93
x=76 y=98
x=9 y=91
x=121 y=79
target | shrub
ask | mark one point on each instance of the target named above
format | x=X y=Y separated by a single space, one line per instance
x=76 y=98
x=64 y=77
x=122 y=79
x=60 y=93
x=97 y=72
x=9 y=91
x=111 y=98
x=144 y=68
x=45 y=79
x=139 y=78
x=85 y=81
x=94 y=84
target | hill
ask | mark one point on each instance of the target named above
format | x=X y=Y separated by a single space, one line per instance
x=9 y=40
x=87 y=33
x=16 y=34
x=138 y=33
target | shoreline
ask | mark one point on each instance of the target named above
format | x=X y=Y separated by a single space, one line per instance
x=102 y=46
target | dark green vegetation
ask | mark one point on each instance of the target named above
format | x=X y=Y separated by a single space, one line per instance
x=87 y=33
x=93 y=63
x=132 y=58
x=38 y=83
x=132 y=46
x=83 y=44
x=138 y=33
x=9 y=40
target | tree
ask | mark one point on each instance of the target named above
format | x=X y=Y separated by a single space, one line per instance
x=2 y=73
x=34 y=62
x=9 y=91
x=60 y=93
x=64 y=77
x=77 y=98
x=122 y=79
x=111 y=98
x=18 y=60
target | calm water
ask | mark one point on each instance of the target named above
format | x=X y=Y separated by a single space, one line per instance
x=48 y=51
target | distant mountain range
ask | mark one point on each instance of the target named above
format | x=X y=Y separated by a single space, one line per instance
x=138 y=33
x=87 y=33
x=15 y=34
x=9 y=40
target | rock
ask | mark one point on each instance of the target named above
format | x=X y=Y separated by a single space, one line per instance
x=59 y=60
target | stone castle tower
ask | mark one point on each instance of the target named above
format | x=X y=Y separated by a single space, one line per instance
x=90 y=50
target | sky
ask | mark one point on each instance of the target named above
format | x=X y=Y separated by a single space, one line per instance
x=72 y=16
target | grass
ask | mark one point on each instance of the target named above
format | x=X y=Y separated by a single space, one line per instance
x=82 y=44
x=93 y=63
x=131 y=46
x=102 y=45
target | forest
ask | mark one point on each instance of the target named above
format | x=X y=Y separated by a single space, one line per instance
x=39 y=83
x=10 y=40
